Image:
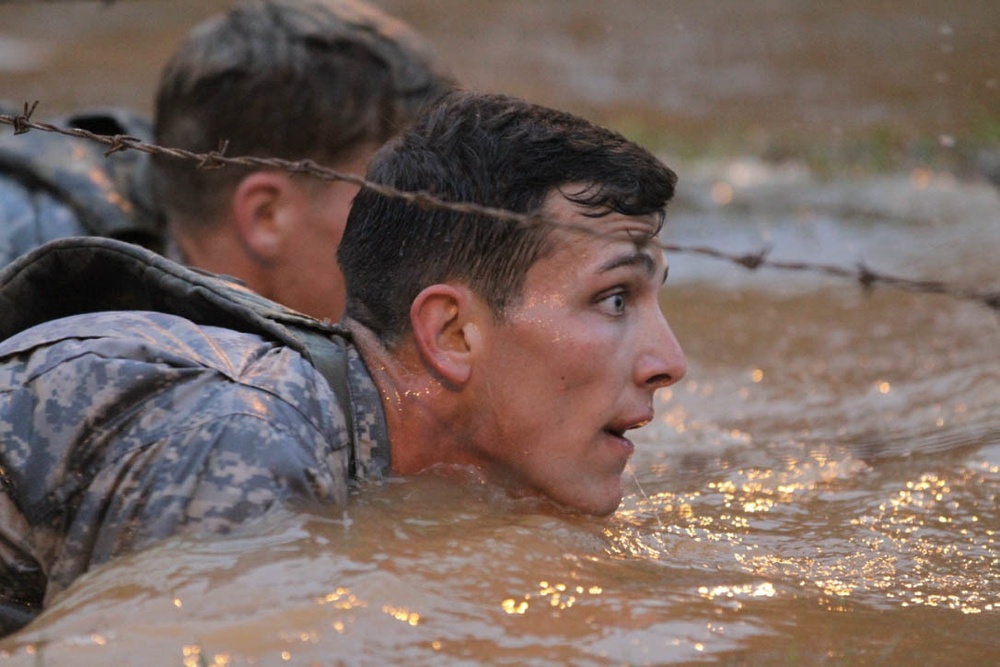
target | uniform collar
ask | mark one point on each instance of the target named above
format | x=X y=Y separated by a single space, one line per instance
x=370 y=458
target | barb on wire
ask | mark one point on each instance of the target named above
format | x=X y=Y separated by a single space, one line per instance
x=864 y=275
x=21 y=123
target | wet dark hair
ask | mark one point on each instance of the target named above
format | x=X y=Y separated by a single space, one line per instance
x=491 y=150
x=292 y=79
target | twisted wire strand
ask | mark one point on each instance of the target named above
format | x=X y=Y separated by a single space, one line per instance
x=860 y=273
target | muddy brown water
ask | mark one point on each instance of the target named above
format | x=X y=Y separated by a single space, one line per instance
x=820 y=490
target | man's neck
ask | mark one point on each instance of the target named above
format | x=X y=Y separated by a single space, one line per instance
x=426 y=424
x=216 y=251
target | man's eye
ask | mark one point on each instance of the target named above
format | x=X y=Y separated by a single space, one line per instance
x=613 y=304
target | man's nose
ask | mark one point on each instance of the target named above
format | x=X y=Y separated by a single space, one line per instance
x=661 y=362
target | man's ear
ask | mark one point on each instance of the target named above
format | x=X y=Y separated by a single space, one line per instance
x=444 y=330
x=260 y=206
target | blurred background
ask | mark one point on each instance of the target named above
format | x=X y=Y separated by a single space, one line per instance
x=870 y=81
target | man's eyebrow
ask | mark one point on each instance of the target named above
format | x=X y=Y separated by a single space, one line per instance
x=638 y=258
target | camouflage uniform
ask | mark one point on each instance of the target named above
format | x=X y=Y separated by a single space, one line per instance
x=120 y=428
x=52 y=186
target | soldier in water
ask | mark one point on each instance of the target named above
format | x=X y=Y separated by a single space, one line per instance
x=327 y=80
x=522 y=352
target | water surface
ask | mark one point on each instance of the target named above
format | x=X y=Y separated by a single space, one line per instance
x=820 y=490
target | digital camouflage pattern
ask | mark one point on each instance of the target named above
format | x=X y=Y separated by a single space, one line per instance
x=118 y=429
x=53 y=186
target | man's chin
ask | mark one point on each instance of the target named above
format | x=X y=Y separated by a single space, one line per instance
x=593 y=495
x=607 y=509
x=597 y=505
x=535 y=501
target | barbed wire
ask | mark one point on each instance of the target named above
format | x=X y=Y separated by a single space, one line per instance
x=860 y=273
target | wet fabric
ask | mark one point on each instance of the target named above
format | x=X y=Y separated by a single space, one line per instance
x=54 y=186
x=89 y=274
x=118 y=429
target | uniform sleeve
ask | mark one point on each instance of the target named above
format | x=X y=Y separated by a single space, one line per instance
x=206 y=477
x=143 y=425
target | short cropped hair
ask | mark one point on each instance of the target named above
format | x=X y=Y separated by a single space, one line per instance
x=292 y=79
x=495 y=151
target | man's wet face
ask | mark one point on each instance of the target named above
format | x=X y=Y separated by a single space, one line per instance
x=575 y=363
